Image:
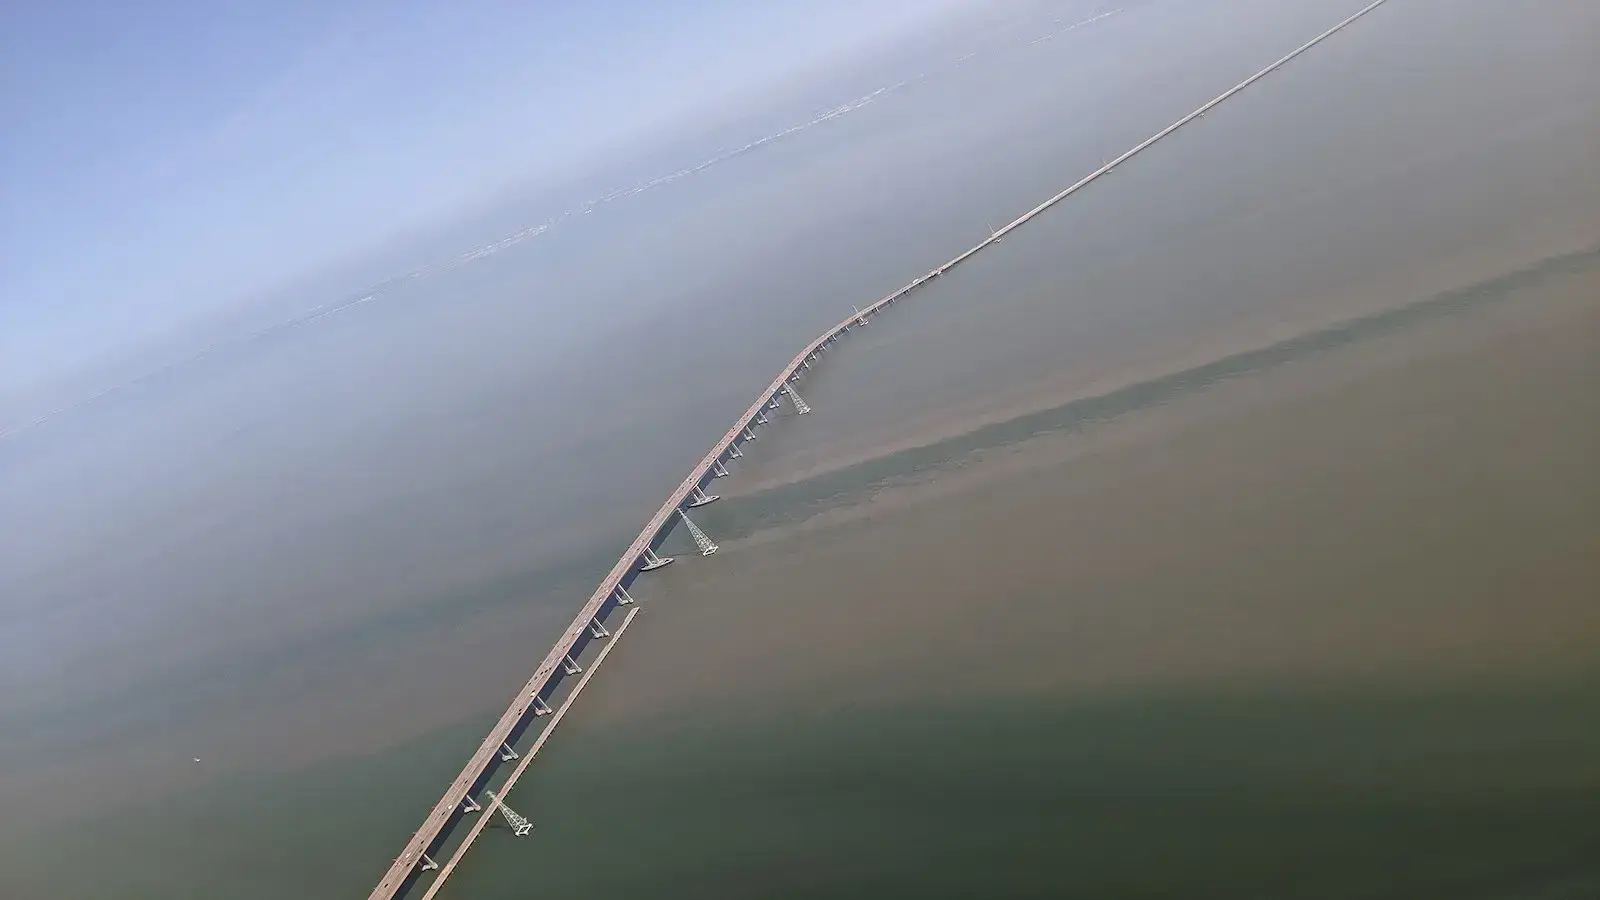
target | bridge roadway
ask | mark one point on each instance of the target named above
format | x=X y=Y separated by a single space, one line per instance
x=489 y=808
x=399 y=878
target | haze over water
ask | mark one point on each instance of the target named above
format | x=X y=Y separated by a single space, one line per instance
x=1231 y=530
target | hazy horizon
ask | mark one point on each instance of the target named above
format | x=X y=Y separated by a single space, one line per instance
x=51 y=336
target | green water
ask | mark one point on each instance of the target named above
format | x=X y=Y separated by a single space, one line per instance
x=1477 y=793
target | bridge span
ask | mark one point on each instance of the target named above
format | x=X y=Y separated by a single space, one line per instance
x=461 y=798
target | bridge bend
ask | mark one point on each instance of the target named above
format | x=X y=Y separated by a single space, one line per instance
x=465 y=795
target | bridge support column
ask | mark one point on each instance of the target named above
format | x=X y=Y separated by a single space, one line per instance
x=748 y=434
x=428 y=863
x=469 y=805
x=707 y=547
x=734 y=452
x=540 y=708
x=718 y=470
x=506 y=753
x=652 y=561
x=623 y=597
x=761 y=418
x=597 y=631
x=570 y=665
x=700 y=498
x=775 y=404
x=800 y=406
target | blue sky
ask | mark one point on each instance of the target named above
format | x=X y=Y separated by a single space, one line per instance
x=163 y=158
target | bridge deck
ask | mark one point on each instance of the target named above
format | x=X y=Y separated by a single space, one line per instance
x=487 y=815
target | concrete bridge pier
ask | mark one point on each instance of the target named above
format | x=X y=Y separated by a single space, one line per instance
x=699 y=497
x=652 y=561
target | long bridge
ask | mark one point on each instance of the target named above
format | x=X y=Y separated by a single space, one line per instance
x=469 y=794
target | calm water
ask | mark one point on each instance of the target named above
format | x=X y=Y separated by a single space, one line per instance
x=322 y=565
